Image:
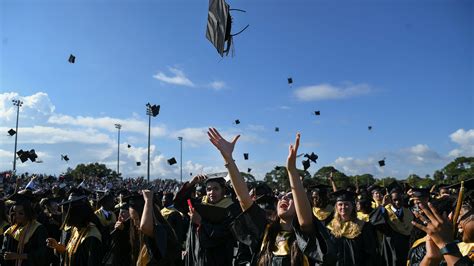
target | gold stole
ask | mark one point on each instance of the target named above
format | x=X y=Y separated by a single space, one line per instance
x=322 y=214
x=363 y=216
x=165 y=212
x=281 y=247
x=403 y=226
x=467 y=249
x=78 y=236
x=143 y=257
x=349 y=229
x=223 y=203
x=22 y=234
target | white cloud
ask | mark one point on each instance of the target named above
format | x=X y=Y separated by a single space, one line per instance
x=353 y=166
x=179 y=78
x=107 y=123
x=34 y=107
x=465 y=139
x=330 y=92
x=217 y=85
x=192 y=137
x=420 y=154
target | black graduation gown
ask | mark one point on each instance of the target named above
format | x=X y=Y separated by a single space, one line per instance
x=35 y=248
x=417 y=252
x=89 y=252
x=163 y=249
x=119 y=252
x=212 y=243
x=52 y=225
x=394 y=245
x=360 y=251
x=249 y=229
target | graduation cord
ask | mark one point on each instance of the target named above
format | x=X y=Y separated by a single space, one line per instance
x=75 y=243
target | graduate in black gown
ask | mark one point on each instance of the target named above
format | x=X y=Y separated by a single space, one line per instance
x=83 y=246
x=120 y=247
x=23 y=242
x=355 y=240
x=322 y=209
x=393 y=222
x=152 y=240
x=273 y=241
x=209 y=239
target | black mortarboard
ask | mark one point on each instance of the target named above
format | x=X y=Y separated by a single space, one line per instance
x=317 y=112
x=394 y=187
x=11 y=132
x=237 y=121
x=23 y=196
x=249 y=170
x=104 y=197
x=246 y=156
x=382 y=163
x=344 y=195
x=312 y=157
x=25 y=155
x=374 y=188
x=306 y=164
x=172 y=161
x=65 y=158
x=129 y=146
x=277 y=129
x=76 y=196
x=134 y=200
x=72 y=59
x=219 y=26
x=290 y=80
x=468 y=185
x=364 y=197
x=369 y=127
x=139 y=163
x=421 y=192
x=321 y=188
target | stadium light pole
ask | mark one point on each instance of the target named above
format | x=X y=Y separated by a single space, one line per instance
x=16 y=103
x=181 y=158
x=151 y=110
x=118 y=126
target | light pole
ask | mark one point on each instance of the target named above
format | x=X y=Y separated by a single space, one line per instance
x=181 y=158
x=17 y=103
x=118 y=126
x=151 y=110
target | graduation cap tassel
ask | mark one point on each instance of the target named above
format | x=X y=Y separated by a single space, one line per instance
x=457 y=211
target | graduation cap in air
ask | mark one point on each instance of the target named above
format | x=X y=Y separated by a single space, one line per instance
x=344 y=195
x=290 y=80
x=249 y=170
x=64 y=157
x=312 y=157
x=139 y=163
x=219 y=26
x=306 y=164
x=246 y=156
x=369 y=127
x=382 y=162
x=317 y=112
x=25 y=155
x=277 y=129
x=11 y=132
x=237 y=121
x=72 y=59
x=172 y=161
x=129 y=146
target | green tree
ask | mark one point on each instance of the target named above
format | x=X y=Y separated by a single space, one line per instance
x=92 y=170
x=278 y=178
x=339 y=178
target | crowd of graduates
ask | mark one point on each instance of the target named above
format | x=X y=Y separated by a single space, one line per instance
x=214 y=221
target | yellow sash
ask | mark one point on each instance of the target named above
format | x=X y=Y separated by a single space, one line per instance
x=363 y=217
x=25 y=232
x=106 y=221
x=349 y=229
x=3 y=225
x=403 y=226
x=322 y=214
x=281 y=247
x=223 y=203
x=143 y=257
x=467 y=249
x=78 y=237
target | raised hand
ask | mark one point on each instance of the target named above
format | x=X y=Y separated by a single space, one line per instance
x=292 y=153
x=197 y=179
x=438 y=227
x=225 y=147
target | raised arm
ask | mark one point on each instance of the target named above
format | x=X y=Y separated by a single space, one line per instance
x=146 y=222
x=226 y=148
x=302 y=205
x=333 y=184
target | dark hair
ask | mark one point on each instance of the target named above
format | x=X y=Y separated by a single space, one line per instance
x=266 y=254
x=80 y=215
x=27 y=208
x=3 y=211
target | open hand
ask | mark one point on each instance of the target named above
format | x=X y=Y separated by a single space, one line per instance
x=292 y=153
x=438 y=227
x=225 y=147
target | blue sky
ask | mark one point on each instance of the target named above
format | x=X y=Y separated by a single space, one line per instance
x=403 y=67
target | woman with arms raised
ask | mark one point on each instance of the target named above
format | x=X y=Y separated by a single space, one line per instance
x=272 y=240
